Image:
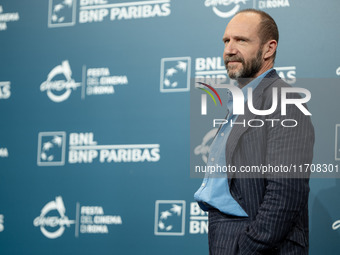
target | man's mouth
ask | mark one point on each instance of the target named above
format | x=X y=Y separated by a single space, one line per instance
x=232 y=61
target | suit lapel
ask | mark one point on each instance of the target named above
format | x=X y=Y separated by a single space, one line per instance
x=238 y=130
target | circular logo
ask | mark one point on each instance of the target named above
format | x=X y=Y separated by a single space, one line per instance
x=223 y=3
x=336 y=225
x=338 y=71
x=59 y=90
x=1 y=223
x=51 y=222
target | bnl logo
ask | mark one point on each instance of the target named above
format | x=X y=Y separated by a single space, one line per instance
x=170 y=217
x=51 y=148
x=61 y=13
x=175 y=74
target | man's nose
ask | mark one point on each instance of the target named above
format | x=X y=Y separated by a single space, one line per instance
x=229 y=48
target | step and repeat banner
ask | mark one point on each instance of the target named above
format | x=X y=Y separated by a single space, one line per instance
x=95 y=119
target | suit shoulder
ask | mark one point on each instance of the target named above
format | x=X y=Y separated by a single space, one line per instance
x=279 y=84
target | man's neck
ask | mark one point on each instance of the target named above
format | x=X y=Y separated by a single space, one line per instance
x=244 y=81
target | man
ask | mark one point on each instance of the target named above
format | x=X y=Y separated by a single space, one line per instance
x=266 y=215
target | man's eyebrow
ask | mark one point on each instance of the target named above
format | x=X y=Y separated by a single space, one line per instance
x=238 y=37
x=242 y=38
x=225 y=38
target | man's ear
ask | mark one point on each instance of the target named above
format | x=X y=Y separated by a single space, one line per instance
x=269 y=48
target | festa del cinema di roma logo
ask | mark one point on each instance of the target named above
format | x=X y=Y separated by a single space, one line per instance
x=96 y=81
x=2 y=223
x=228 y=8
x=53 y=226
x=336 y=225
x=231 y=7
x=53 y=221
x=59 y=84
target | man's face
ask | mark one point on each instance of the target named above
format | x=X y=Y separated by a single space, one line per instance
x=243 y=50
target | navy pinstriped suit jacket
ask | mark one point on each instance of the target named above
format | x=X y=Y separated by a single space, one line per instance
x=277 y=206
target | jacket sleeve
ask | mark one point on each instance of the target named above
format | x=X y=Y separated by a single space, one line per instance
x=286 y=196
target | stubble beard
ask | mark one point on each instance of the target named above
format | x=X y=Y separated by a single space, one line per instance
x=248 y=70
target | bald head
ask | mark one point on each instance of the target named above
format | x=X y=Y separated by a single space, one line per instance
x=246 y=22
x=247 y=52
x=245 y=25
x=267 y=29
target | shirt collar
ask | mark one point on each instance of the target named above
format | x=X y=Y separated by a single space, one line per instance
x=253 y=84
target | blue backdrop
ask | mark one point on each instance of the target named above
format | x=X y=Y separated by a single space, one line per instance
x=95 y=119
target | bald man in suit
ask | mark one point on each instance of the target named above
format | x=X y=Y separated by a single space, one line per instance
x=267 y=213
